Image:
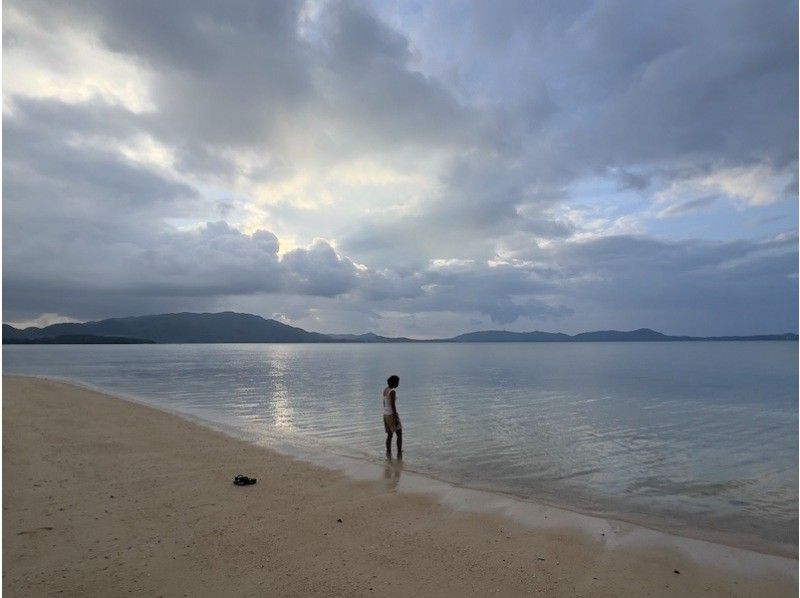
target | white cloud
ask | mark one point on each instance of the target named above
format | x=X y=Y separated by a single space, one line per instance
x=65 y=61
x=43 y=320
x=753 y=185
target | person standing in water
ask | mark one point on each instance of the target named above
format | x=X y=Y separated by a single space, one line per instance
x=391 y=420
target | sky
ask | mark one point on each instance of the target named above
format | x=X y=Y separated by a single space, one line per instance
x=407 y=168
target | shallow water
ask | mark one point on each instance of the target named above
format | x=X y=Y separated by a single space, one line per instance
x=685 y=436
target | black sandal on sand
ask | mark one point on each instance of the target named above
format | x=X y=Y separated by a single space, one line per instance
x=243 y=480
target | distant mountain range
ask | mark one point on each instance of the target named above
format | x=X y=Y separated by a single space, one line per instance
x=230 y=327
x=225 y=327
x=605 y=336
x=371 y=337
x=78 y=339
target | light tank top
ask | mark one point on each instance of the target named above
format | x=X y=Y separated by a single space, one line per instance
x=387 y=402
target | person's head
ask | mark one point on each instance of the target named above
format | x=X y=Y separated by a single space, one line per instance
x=393 y=381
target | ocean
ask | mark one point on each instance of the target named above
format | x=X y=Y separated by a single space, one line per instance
x=688 y=437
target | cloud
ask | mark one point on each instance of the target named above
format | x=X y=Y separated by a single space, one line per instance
x=65 y=158
x=693 y=205
x=754 y=185
x=43 y=320
x=504 y=293
x=250 y=84
x=508 y=165
x=672 y=282
x=318 y=270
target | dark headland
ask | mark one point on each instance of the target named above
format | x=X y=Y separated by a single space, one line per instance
x=230 y=327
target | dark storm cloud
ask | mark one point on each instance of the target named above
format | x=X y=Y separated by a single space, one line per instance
x=681 y=286
x=214 y=260
x=59 y=157
x=675 y=285
x=505 y=293
x=225 y=73
x=318 y=270
x=371 y=89
x=217 y=259
x=93 y=227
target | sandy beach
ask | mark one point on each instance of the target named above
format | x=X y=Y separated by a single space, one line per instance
x=106 y=497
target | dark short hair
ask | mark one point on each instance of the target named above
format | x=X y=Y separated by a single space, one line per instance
x=393 y=381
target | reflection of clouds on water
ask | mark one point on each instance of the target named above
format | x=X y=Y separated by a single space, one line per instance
x=280 y=402
x=282 y=412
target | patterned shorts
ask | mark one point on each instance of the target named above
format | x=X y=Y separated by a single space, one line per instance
x=389 y=425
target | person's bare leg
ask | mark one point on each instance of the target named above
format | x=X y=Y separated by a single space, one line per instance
x=399 y=444
x=389 y=444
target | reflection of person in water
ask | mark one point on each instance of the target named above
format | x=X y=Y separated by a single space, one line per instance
x=391 y=420
x=391 y=473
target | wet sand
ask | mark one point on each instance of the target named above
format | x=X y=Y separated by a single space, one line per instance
x=103 y=496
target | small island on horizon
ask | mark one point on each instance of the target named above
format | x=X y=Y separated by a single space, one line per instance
x=232 y=327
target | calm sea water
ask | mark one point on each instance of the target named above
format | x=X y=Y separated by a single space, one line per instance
x=699 y=436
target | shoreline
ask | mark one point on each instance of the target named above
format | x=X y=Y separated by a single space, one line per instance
x=362 y=468
x=427 y=482
x=584 y=535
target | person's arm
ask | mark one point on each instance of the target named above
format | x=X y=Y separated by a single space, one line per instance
x=392 y=397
